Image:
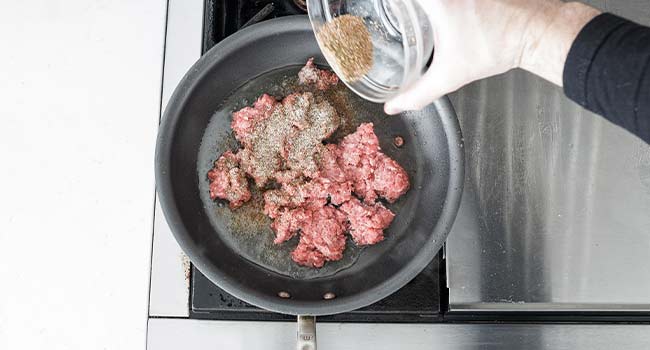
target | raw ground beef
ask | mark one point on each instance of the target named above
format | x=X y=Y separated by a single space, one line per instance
x=317 y=184
x=245 y=119
x=322 y=238
x=374 y=173
x=287 y=223
x=322 y=79
x=283 y=136
x=228 y=181
x=367 y=221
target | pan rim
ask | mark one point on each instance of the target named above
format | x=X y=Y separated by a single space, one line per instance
x=173 y=115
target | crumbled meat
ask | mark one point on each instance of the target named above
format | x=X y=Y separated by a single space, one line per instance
x=328 y=164
x=288 y=222
x=305 y=143
x=315 y=184
x=313 y=193
x=374 y=174
x=338 y=192
x=357 y=158
x=329 y=182
x=321 y=237
x=228 y=181
x=322 y=233
x=288 y=137
x=244 y=120
x=367 y=222
x=290 y=195
x=311 y=75
x=287 y=176
x=308 y=255
x=390 y=180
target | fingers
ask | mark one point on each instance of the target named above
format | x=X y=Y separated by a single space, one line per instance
x=436 y=82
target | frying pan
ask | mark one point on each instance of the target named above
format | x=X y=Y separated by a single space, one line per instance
x=233 y=247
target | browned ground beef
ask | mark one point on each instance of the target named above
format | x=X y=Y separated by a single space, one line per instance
x=283 y=143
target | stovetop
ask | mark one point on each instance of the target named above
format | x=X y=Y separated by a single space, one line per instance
x=224 y=17
x=417 y=302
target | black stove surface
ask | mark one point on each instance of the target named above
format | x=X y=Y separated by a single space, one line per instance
x=224 y=17
x=418 y=301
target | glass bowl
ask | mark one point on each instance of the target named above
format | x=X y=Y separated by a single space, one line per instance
x=401 y=36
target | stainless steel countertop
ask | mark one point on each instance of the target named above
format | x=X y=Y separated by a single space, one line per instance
x=556 y=209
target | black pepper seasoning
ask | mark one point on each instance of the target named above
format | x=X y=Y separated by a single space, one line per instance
x=347 y=45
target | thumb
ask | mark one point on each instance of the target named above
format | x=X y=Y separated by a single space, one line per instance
x=436 y=82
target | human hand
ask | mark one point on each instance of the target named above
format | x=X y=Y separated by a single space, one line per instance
x=475 y=39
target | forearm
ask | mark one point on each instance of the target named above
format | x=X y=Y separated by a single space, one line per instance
x=549 y=36
x=608 y=72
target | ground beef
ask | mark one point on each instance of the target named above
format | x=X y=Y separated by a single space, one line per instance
x=315 y=184
x=330 y=181
x=356 y=165
x=292 y=195
x=322 y=237
x=312 y=193
x=357 y=158
x=337 y=192
x=329 y=165
x=367 y=222
x=390 y=179
x=311 y=75
x=245 y=119
x=288 y=222
x=305 y=143
x=374 y=174
x=228 y=181
x=286 y=137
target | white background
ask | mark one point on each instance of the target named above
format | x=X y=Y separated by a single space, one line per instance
x=79 y=108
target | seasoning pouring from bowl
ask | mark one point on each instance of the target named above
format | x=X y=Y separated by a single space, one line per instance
x=394 y=37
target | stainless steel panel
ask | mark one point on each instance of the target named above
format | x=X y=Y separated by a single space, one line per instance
x=556 y=208
x=170 y=334
x=169 y=290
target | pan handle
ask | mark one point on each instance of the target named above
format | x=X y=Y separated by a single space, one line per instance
x=306 y=333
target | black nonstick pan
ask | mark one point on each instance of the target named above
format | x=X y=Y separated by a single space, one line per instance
x=234 y=249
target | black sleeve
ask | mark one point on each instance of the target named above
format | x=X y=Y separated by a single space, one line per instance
x=608 y=72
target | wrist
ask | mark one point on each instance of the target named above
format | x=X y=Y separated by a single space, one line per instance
x=549 y=37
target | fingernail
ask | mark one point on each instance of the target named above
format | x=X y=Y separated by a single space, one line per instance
x=389 y=108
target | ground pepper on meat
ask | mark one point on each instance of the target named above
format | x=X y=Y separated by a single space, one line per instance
x=228 y=181
x=283 y=136
x=322 y=79
x=321 y=190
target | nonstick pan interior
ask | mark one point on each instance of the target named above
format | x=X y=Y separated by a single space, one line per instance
x=234 y=248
